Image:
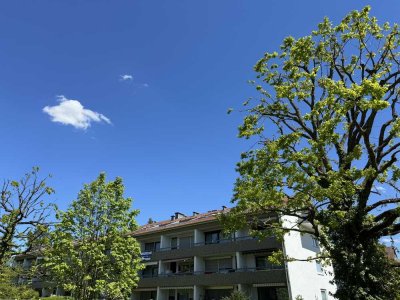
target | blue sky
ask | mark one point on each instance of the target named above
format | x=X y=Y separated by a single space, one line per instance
x=163 y=127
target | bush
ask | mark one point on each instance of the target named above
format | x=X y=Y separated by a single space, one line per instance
x=236 y=295
x=10 y=290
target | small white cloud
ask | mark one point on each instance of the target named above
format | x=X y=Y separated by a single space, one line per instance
x=380 y=189
x=146 y=85
x=126 y=77
x=72 y=112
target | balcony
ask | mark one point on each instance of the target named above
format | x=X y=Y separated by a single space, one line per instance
x=223 y=277
x=221 y=246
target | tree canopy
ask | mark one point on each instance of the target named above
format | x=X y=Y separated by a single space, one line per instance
x=92 y=253
x=328 y=131
x=23 y=212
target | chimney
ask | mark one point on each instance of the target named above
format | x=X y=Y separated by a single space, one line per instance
x=195 y=213
x=224 y=207
x=172 y=217
x=179 y=215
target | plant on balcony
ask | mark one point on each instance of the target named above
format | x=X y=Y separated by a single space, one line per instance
x=91 y=252
x=237 y=295
x=327 y=121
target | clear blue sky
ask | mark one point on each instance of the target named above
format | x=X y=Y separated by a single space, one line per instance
x=186 y=63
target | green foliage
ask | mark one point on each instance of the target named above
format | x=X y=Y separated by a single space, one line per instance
x=23 y=212
x=92 y=253
x=237 y=295
x=329 y=135
x=9 y=289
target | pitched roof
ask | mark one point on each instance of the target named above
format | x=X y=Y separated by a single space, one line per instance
x=180 y=221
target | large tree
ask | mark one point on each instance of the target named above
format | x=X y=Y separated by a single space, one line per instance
x=333 y=100
x=23 y=212
x=92 y=253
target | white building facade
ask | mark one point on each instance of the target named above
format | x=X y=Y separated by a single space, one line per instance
x=189 y=258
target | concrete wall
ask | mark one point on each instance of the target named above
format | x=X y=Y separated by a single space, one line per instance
x=304 y=280
x=199 y=265
x=220 y=279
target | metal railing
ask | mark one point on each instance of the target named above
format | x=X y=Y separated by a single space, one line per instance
x=219 y=271
x=203 y=243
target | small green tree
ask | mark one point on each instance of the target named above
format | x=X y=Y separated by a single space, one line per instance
x=92 y=253
x=329 y=141
x=237 y=295
x=9 y=287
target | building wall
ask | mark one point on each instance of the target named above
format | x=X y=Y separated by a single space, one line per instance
x=241 y=275
x=303 y=278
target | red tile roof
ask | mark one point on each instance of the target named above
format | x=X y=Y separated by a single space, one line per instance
x=178 y=222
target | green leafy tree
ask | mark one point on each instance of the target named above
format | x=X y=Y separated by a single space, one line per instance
x=92 y=253
x=328 y=130
x=236 y=295
x=23 y=212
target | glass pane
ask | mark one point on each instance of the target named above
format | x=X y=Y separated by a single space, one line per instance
x=185 y=242
x=148 y=246
x=211 y=265
x=212 y=237
x=157 y=246
x=174 y=243
x=225 y=264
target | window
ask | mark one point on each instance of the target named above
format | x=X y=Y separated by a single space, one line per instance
x=185 y=242
x=315 y=242
x=152 y=246
x=186 y=267
x=219 y=265
x=212 y=237
x=319 y=267
x=180 y=267
x=324 y=295
x=174 y=243
x=148 y=295
x=150 y=271
x=262 y=263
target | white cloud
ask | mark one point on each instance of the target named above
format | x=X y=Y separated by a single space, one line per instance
x=380 y=189
x=72 y=112
x=146 y=85
x=126 y=77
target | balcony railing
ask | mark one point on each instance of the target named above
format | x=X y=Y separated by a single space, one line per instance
x=191 y=244
x=228 y=240
x=220 y=271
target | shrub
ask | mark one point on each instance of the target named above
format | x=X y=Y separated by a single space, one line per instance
x=236 y=295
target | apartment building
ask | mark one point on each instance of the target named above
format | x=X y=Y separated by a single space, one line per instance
x=25 y=262
x=189 y=258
